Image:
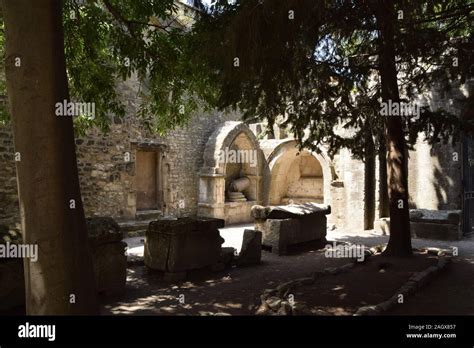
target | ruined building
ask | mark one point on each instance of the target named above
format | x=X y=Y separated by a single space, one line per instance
x=134 y=176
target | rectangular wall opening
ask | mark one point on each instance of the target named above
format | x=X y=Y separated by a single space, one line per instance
x=148 y=180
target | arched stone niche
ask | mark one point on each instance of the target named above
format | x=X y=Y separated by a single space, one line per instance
x=294 y=175
x=231 y=152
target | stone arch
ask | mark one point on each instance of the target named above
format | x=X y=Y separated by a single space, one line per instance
x=295 y=172
x=218 y=171
x=223 y=137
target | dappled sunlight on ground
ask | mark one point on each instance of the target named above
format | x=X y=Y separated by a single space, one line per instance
x=237 y=291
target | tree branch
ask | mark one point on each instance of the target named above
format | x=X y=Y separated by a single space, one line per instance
x=128 y=22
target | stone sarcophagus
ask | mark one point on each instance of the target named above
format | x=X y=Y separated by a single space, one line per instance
x=436 y=224
x=290 y=224
x=180 y=245
x=429 y=224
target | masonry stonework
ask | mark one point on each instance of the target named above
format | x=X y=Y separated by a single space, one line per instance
x=108 y=169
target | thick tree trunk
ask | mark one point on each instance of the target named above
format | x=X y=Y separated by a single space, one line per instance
x=61 y=281
x=399 y=243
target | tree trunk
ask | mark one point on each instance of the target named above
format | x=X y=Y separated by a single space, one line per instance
x=369 y=181
x=384 y=210
x=61 y=281
x=399 y=243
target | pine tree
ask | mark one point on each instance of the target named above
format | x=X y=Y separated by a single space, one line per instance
x=327 y=67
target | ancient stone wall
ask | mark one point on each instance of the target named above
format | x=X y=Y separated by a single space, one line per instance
x=107 y=165
x=107 y=178
x=434 y=179
x=107 y=169
x=348 y=192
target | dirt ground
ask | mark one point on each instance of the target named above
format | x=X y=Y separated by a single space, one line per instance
x=236 y=291
x=451 y=293
x=366 y=284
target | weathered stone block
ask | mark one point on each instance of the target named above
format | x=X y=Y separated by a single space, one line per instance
x=12 y=283
x=429 y=224
x=183 y=244
x=288 y=225
x=436 y=224
x=227 y=255
x=110 y=267
x=276 y=234
x=238 y=212
x=436 y=216
x=382 y=226
x=289 y=211
x=103 y=230
x=435 y=231
x=108 y=254
x=251 y=251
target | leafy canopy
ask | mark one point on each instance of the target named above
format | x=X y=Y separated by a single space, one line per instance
x=109 y=41
x=315 y=64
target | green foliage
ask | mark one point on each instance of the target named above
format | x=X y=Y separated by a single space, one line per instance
x=316 y=63
x=109 y=41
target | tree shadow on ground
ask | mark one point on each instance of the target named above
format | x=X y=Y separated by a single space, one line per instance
x=236 y=291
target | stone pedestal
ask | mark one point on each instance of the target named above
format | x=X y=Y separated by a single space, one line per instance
x=251 y=251
x=211 y=195
x=184 y=244
x=108 y=254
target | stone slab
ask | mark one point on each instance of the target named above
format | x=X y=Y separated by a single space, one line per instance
x=429 y=224
x=289 y=211
x=382 y=226
x=436 y=216
x=281 y=233
x=184 y=244
x=251 y=251
x=12 y=281
x=227 y=255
